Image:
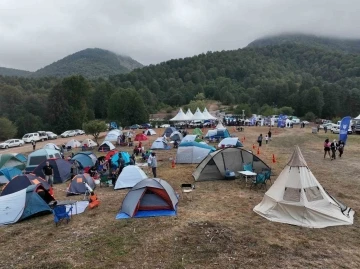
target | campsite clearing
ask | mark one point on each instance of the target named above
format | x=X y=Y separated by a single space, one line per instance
x=216 y=229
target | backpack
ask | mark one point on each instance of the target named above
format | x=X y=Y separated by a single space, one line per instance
x=341 y=146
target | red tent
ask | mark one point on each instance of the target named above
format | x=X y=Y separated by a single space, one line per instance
x=110 y=154
x=141 y=137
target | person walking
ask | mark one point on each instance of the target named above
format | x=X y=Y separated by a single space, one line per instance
x=327 y=147
x=266 y=139
x=341 y=148
x=49 y=173
x=259 y=140
x=153 y=163
x=333 y=147
x=149 y=159
x=33 y=143
x=269 y=134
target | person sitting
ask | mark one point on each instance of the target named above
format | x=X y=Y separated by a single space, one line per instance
x=93 y=171
x=136 y=151
x=93 y=201
x=176 y=144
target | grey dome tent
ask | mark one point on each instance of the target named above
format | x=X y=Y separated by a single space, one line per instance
x=150 y=197
x=168 y=131
x=213 y=167
x=77 y=184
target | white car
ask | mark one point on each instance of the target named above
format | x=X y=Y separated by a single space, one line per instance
x=51 y=135
x=69 y=134
x=164 y=125
x=335 y=129
x=12 y=143
x=79 y=132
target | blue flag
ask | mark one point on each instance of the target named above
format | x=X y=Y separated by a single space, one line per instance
x=280 y=118
x=344 y=127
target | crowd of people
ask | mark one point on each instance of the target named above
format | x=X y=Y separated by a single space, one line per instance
x=333 y=147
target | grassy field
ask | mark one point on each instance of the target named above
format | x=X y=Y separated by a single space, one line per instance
x=216 y=229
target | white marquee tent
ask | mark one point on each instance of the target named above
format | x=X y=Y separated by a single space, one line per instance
x=207 y=115
x=198 y=115
x=189 y=114
x=297 y=198
x=180 y=116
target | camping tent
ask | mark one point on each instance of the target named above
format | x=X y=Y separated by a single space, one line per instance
x=198 y=115
x=7 y=173
x=115 y=158
x=88 y=143
x=38 y=156
x=180 y=116
x=73 y=143
x=51 y=146
x=141 y=137
x=189 y=114
x=106 y=146
x=113 y=135
x=168 y=131
x=215 y=164
x=297 y=198
x=110 y=154
x=62 y=170
x=176 y=136
x=220 y=126
x=129 y=177
x=150 y=132
x=24 y=204
x=192 y=152
x=9 y=160
x=207 y=115
x=85 y=159
x=77 y=184
x=150 y=197
x=160 y=143
x=197 y=131
x=230 y=142
x=20 y=156
x=23 y=181
x=217 y=134
x=190 y=138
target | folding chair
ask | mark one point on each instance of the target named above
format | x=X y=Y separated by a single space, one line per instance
x=259 y=180
x=187 y=189
x=267 y=173
x=61 y=214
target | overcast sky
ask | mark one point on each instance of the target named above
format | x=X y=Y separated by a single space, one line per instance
x=35 y=33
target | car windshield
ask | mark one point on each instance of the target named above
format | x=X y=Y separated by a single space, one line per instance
x=25 y=136
x=7 y=141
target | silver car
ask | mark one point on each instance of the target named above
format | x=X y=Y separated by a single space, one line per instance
x=12 y=143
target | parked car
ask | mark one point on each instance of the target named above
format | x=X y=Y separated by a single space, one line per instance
x=145 y=126
x=135 y=126
x=328 y=126
x=164 y=125
x=38 y=136
x=51 y=135
x=79 y=132
x=70 y=133
x=335 y=129
x=12 y=143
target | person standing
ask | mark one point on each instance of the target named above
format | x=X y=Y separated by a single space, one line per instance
x=341 y=147
x=33 y=143
x=333 y=147
x=259 y=140
x=266 y=139
x=327 y=147
x=149 y=160
x=269 y=134
x=121 y=163
x=153 y=163
x=74 y=168
x=49 y=173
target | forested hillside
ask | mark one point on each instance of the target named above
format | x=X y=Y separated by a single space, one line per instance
x=307 y=80
x=341 y=45
x=90 y=63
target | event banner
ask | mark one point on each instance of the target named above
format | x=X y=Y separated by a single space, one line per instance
x=344 y=127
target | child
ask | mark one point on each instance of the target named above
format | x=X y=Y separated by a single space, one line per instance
x=266 y=139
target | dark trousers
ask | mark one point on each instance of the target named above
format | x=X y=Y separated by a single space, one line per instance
x=153 y=171
x=341 y=152
x=259 y=143
x=333 y=156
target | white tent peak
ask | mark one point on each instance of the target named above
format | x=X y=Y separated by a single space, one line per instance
x=189 y=114
x=297 y=159
x=180 y=116
x=207 y=115
x=198 y=115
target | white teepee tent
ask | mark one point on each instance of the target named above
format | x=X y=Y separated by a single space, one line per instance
x=198 y=115
x=207 y=115
x=297 y=198
x=180 y=116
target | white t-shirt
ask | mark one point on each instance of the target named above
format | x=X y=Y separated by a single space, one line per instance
x=149 y=159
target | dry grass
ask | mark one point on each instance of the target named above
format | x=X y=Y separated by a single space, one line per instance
x=216 y=229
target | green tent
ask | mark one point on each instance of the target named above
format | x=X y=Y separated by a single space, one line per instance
x=197 y=131
x=9 y=160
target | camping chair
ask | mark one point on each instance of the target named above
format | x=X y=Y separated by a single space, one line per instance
x=187 y=189
x=248 y=167
x=267 y=173
x=61 y=214
x=104 y=179
x=259 y=180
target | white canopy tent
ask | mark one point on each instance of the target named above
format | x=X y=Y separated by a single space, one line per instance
x=297 y=198
x=198 y=115
x=357 y=118
x=189 y=114
x=220 y=126
x=207 y=115
x=180 y=116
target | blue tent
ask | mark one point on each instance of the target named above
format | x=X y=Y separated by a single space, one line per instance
x=21 y=157
x=62 y=170
x=125 y=155
x=192 y=152
x=7 y=173
x=85 y=159
x=218 y=134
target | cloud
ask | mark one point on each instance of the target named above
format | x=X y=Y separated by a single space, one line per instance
x=37 y=33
